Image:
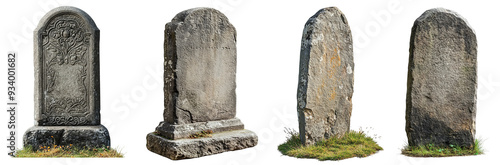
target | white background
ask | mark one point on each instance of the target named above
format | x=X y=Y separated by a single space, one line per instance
x=269 y=35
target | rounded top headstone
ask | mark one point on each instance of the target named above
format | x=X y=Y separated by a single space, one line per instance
x=180 y=17
x=441 y=15
x=326 y=77
x=200 y=13
x=328 y=12
x=442 y=80
x=200 y=62
x=62 y=10
x=66 y=57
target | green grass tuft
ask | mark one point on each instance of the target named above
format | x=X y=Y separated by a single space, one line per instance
x=68 y=151
x=431 y=150
x=353 y=144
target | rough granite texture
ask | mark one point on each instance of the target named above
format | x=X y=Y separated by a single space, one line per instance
x=193 y=148
x=326 y=77
x=79 y=136
x=67 y=95
x=172 y=131
x=200 y=67
x=442 y=80
x=200 y=83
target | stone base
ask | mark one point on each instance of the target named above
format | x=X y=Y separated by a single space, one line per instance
x=193 y=148
x=182 y=131
x=78 y=136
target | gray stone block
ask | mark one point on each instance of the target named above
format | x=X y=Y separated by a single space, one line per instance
x=200 y=67
x=78 y=136
x=171 y=131
x=326 y=77
x=193 y=148
x=200 y=84
x=442 y=80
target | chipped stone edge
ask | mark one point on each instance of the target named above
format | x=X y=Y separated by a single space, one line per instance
x=303 y=79
x=427 y=13
x=172 y=131
x=59 y=133
x=193 y=148
x=410 y=76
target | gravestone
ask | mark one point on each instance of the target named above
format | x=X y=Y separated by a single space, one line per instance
x=199 y=88
x=67 y=98
x=442 y=80
x=325 y=77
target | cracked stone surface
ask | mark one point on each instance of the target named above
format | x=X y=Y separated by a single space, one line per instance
x=200 y=67
x=193 y=148
x=442 y=80
x=326 y=77
x=173 y=131
x=200 y=83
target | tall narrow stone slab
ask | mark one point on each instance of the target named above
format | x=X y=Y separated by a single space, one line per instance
x=67 y=98
x=325 y=77
x=200 y=84
x=442 y=80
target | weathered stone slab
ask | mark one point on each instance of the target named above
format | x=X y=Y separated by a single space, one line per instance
x=442 y=80
x=172 y=131
x=200 y=83
x=325 y=77
x=200 y=67
x=66 y=78
x=193 y=148
x=66 y=69
x=81 y=136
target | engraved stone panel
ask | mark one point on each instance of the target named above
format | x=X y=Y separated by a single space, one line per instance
x=67 y=106
x=442 y=80
x=326 y=77
x=67 y=93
